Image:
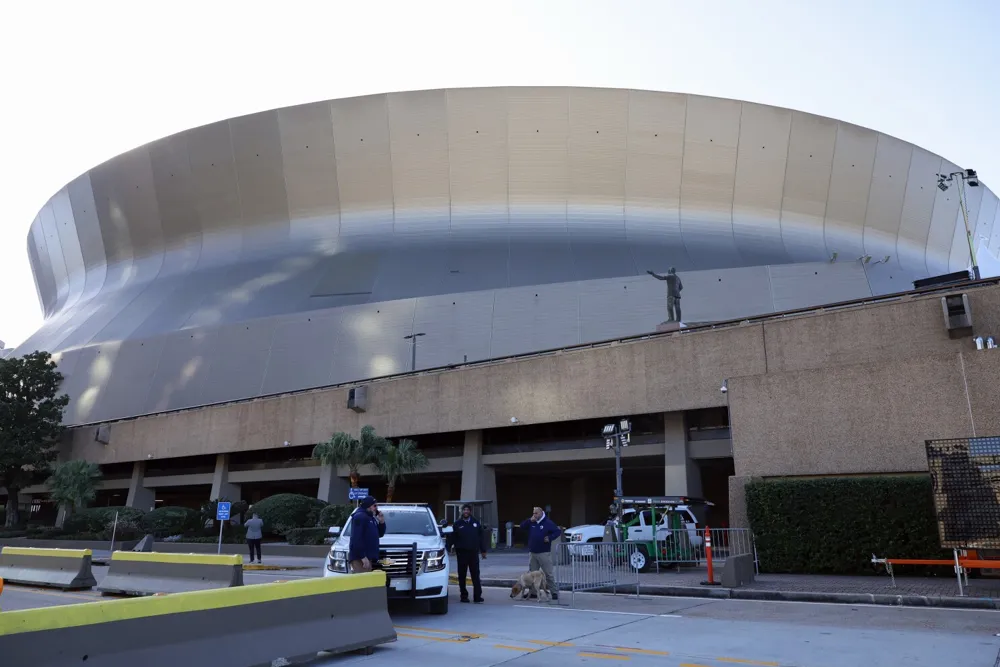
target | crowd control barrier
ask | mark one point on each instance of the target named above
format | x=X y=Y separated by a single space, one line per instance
x=229 y=627
x=69 y=569
x=148 y=573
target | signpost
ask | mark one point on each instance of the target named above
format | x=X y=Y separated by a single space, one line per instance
x=222 y=515
x=357 y=495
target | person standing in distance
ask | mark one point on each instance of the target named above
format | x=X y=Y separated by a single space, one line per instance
x=541 y=531
x=467 y=539
x=367 y=528
x=255 y=528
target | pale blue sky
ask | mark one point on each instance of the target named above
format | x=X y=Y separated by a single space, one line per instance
x=83 y=82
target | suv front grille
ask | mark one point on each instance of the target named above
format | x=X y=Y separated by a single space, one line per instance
x=396 y=563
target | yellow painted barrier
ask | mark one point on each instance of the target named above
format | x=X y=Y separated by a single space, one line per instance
x=56 y=568
x=147 y=573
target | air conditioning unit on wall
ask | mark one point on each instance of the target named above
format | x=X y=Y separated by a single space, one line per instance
x=357 y=398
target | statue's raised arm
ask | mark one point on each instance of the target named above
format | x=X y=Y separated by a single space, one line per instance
x=656 y=275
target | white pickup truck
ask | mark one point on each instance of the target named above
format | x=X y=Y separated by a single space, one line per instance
x=579 y=536
x=412 y=553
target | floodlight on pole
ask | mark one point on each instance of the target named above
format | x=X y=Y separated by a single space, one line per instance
x=962 y=177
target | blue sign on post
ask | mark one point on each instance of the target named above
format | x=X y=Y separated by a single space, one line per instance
x=222 y=513
x=357 y=494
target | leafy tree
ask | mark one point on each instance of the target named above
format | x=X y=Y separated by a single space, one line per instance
x=30 y=422
x=344 y=450
x=394 y=462
x=210 y=510
x=74 y=484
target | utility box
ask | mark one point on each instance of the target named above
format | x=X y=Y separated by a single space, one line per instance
x=957 y=315
x=357 y=398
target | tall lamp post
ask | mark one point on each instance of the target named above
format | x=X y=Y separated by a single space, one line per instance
x=961 y=177
x=413 y=349
x=617 y=436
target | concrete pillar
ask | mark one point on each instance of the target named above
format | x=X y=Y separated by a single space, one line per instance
x=139 y=496
x=444 y=495
x=681 y=474
x=221 y=488
x=332 y=487
x=578 y=507
x=738 y=501
x=479 y=481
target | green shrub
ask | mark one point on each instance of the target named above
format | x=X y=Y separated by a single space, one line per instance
x=307 y=535
x=335 y=515
x=237 y=508
x=96 y=519
x=834 y=525
x=167 y=521
x=9 y=534
x=227 y=538
x=285 y=511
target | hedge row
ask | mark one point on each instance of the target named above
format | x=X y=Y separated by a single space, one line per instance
x=312 y=536
x=834 y=525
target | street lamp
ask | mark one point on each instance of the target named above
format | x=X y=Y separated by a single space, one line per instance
x=413 y=349
x=970 y=176
x=617 y=436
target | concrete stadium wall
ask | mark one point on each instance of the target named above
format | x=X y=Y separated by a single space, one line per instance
x=295 y=247
x=852 y=390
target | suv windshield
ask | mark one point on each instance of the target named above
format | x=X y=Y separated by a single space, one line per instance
x=400 y=522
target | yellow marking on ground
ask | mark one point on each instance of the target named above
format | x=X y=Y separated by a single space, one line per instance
x=603 y=656
x=639 y=651
x=748 y=662
x=691 y=664
x=516 y=648
x=463 y=640
x=38 y=551
x=436 y=631
x=542 y=642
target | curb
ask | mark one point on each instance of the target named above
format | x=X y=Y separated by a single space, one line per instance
x=718 y=593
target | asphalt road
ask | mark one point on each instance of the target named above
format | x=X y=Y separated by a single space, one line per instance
x=667 y=632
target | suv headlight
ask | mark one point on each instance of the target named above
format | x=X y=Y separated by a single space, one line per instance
x=337 y=561
x=434 y=560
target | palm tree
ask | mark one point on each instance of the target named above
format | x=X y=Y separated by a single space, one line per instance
x=396 y=461
x=74 y=484
x=345 y=450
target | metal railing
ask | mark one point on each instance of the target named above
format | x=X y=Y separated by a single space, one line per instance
x=596 y=566
x=615 y=567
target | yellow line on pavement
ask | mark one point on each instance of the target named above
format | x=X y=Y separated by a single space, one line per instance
x=515 y=648
x=690 y=664
x=605 y=656
x=436 y=631
x=639 y=651
x=464 y=640
x=748 y=662
x=542 y=642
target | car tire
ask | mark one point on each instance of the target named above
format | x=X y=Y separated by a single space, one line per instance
x=439 y=606
x=639 y=559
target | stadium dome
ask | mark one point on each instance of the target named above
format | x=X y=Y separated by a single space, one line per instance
x=295 y=248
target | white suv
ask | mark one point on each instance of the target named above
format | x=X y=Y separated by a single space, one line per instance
x=412 y=553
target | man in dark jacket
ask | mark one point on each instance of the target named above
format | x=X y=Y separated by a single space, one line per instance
x=467 y=538
x=541 y=531
x=367 y=527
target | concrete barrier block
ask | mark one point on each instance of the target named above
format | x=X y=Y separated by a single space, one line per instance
x=68 y=569
x=738 y=571
x=148 y=573
x=230 y=627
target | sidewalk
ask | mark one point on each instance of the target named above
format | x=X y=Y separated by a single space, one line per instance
x=502 y=569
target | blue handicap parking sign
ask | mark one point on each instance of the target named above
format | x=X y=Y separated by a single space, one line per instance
x=357 y=494
x=222 y=513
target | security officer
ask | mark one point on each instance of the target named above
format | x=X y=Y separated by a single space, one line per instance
x=467 y=540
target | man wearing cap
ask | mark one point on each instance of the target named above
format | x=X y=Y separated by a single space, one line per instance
x=367 y=528
x=541 y=532
x=467 y=538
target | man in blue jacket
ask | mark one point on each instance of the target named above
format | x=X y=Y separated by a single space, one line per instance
x=367 y=528
x=541 y=531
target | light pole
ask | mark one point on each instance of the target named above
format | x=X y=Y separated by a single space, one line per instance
x=970 y=176
x=413 y=349
x=617 y=436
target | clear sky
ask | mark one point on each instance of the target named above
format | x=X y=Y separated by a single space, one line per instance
x=85 y=81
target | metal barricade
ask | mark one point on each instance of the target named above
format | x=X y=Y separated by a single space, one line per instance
x=596 y=566
x=687 y=547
